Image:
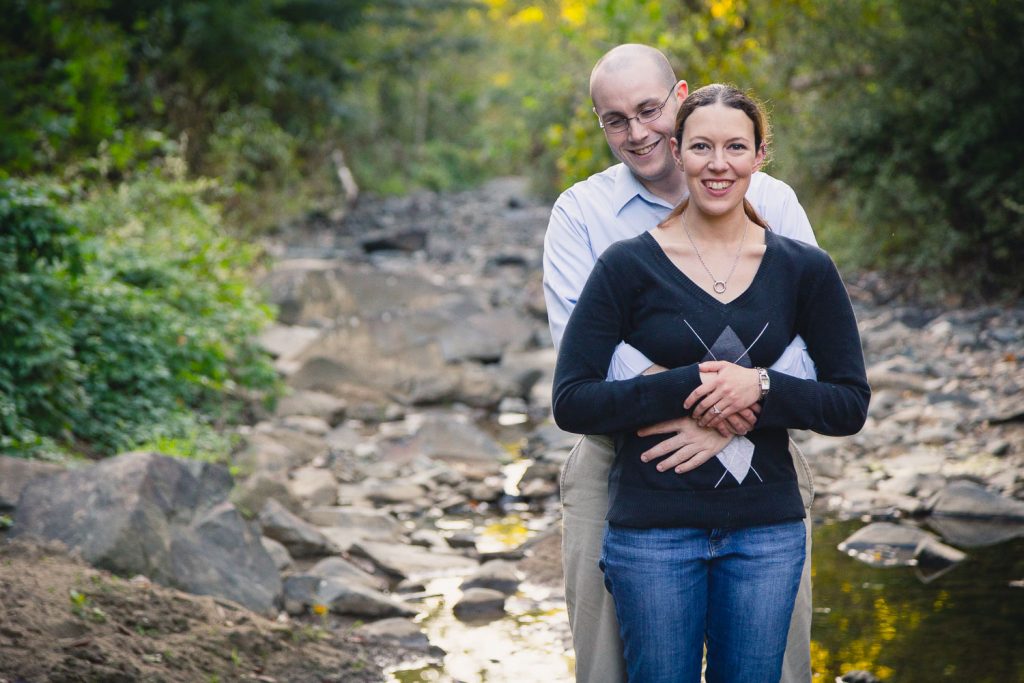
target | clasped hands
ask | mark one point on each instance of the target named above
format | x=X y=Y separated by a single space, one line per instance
x=724 y=405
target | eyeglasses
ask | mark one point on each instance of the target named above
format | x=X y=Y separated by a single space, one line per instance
x=619 y=124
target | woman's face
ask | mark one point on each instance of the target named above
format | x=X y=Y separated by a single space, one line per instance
x=718 y=156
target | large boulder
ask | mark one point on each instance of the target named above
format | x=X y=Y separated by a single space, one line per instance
x=16 y=473
x=967 y=499
x=165 y=518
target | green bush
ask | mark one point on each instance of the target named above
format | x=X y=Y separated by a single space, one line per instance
x=149 y=339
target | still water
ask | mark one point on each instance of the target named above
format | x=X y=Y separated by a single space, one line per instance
x=966 y=625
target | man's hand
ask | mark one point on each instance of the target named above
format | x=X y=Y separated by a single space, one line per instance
x=726 y=389
x=691 y=447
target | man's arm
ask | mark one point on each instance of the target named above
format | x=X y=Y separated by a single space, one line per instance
x=568 y=260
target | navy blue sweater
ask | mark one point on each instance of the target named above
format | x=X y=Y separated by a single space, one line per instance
x=636 y=294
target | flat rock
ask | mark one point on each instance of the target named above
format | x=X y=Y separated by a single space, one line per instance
x=405 y=632
x=254 y=491
x=498 y=575
x=301 y=538
x=328 y=408
x=277 y=552
x=966 y=499
x=359 y=601
x=341 y=569
x=371 y=521
x=975 y=533
x=884 y=544
x=313 y=486
x=480 y=604
x=404 y=561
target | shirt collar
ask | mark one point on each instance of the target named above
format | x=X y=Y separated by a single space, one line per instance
x=628 y=187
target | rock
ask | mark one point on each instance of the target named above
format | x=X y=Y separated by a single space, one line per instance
x=935 y=559
x=168 y=519
x=253 y=493
x=975 y=533
x=404 y=632
x=300 y=593
x=858 y=676
x=329 y=408
x=498 y=575
x=371 y=522
x=278 y=553
x=341 y=569
x=16 y=473
x=884 y=544
x=480 y=604
x=485 y=336
x=358 y=601
x=450 y=439
x=314 y=486
x=286 y=343
x=404 y=561
x=386 y=493
x=301 y=538
x=309 y=424
x=398 y=240
x=967 y=499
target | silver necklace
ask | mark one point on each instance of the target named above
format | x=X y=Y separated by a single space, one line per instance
x=719 y=286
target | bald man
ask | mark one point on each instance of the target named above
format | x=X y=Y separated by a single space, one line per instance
x=636 y=96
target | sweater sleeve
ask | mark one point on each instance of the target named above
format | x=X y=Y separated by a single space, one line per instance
x=836 y=404
x=583 y=401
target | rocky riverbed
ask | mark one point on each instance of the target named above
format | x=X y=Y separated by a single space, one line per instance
x=406 y=487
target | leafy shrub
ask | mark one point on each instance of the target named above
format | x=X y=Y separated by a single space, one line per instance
x=151 y=342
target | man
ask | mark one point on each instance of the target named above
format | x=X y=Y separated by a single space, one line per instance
x=636 y=96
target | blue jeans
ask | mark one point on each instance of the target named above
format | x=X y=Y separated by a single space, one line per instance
x=675 y=589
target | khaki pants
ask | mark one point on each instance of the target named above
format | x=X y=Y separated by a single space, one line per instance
x=595 y=630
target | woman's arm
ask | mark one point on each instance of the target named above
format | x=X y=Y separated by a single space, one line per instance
x=836 y=404
x=583 y=402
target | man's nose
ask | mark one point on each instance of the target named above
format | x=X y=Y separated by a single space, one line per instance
x=640 y=129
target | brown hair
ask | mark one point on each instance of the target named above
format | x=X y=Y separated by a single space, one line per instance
x=730 y=96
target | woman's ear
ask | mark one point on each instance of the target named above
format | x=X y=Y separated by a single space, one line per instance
x=762 y=153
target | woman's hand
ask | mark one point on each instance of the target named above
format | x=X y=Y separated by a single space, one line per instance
x=726 y=389
x=691 y=447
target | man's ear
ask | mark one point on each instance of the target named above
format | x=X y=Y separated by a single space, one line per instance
x=682 y=90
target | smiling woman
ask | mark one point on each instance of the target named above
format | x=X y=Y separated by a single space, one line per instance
x=709 y=549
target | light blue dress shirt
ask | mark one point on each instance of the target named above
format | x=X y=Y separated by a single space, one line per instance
x=613 y=205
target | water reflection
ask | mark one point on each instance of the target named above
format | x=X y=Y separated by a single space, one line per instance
x=962 y=626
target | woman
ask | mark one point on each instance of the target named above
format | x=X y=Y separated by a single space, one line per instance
x=713 y=552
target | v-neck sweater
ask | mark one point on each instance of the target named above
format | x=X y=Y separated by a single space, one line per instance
x=638 y=295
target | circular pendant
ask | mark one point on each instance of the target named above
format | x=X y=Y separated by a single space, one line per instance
x=719 y=287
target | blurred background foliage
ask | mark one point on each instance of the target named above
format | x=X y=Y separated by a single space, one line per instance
x=143 y=141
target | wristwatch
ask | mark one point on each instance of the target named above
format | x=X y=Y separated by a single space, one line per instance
x=764 y=381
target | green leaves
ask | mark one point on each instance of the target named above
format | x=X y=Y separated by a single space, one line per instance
x=151 y=341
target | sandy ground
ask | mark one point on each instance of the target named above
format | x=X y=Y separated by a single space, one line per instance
x=63 y=621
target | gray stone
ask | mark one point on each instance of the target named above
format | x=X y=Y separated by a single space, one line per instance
x=278 y=553
x=314 y=486
x=286 y=343
x=310 y=424
x=884 y=544
x=301 y=538
x=451 y=439
x=373 y=522
x=300 y=593
x=145 y=513
x=254 y=491
x=16 y=473
x=485 y=336
x=967 y=499
x=480 y=604
x=405 y=561
x=358 y=601
x=498 y=575
x=405 y=632
x=345 y=571
x=975 y=533
x=329 y=408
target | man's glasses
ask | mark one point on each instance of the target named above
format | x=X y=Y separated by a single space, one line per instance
x=619 y=124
